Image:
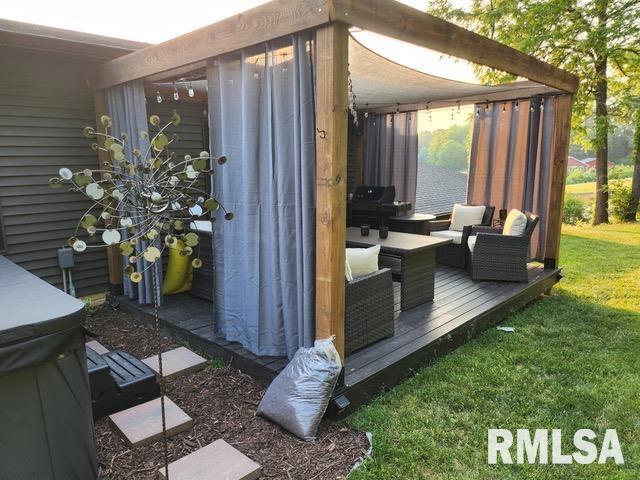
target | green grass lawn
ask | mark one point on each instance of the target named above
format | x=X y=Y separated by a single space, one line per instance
x=573 y=362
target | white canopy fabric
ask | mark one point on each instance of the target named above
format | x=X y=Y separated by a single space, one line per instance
x=380 y=82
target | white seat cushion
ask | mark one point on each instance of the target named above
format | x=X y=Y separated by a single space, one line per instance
x=464 y=215
x=362 y=261
x=452 y=234
x=515 y=224
x=347 y=270
x=471 y=242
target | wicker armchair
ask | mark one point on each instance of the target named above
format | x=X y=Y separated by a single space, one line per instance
x=454 y=254
x=368 y=310
x=495 y=256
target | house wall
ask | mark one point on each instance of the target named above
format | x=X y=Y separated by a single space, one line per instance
x=44 y=104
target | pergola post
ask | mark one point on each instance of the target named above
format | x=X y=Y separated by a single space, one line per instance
x=331 y=171
x=561 y=137
x=114 y=259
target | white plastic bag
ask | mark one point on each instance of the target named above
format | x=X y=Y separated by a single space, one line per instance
x=298 y=397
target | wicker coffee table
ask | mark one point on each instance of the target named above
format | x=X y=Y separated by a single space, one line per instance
x=410 y=257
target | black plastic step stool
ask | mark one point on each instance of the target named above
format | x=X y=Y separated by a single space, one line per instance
x=100 y=381
x=130 y=382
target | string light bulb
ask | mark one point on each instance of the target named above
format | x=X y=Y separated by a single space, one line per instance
x=176 y=95
x=517 y=107
x=158 y=96
x=190 y=91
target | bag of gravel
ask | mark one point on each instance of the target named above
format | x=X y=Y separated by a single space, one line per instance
x=298 y=397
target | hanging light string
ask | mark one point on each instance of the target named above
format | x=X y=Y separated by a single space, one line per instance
x=456 y=105
x=352 y=101
x=184 y=83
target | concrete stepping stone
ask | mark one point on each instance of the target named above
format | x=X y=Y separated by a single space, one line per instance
x=177 y=362
x=216 y=461
x=142 y=424
x=97 y=347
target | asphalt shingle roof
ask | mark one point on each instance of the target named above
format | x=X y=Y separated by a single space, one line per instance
x=439 y=188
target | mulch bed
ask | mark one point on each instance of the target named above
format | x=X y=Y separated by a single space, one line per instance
x=222 y=403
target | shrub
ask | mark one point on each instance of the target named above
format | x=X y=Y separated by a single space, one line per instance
x=620 y=171
x=574 y=211
x=620 y=200
x=577 y=175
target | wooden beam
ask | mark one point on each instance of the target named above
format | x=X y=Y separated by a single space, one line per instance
x=561 y=137
x=332 y=56
x=393 y=19
x=185 y=71
x=114 y=259
x=258 y=25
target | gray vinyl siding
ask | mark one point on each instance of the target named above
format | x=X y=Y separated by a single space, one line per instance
x=44 y=104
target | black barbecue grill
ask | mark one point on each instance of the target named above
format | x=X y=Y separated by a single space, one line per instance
x=373 y=205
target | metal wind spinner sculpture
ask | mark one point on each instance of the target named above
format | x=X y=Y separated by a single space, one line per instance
x=143 y=202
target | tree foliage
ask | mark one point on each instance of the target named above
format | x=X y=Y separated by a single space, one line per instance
x=599 y=40
x=447 y=147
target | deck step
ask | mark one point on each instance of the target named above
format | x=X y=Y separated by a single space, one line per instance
x=97 y=347
x=142 y=424
x=216 y=461
x=179 y=361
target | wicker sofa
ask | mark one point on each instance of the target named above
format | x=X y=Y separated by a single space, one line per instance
x=494 y=256
x=368 y=310
x=455 y=254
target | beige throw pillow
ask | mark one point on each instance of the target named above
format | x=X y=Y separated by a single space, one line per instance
x=362 y=260
x=464 y=215
x=515 y=224
x=347 y=270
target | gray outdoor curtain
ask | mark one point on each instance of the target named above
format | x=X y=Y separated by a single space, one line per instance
x=129 y=115
x=391 y=153
x=261 y=116
x=511 y=157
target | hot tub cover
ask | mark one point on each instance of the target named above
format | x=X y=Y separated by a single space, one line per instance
x=36 y=319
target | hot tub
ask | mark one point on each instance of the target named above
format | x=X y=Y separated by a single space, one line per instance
x=46 y=423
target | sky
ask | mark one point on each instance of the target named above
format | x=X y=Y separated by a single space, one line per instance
x=159 y=20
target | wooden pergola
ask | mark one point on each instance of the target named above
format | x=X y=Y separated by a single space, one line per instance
x=331 y=20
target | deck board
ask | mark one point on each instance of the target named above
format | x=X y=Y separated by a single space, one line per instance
x=461 y=308
x=449 y=305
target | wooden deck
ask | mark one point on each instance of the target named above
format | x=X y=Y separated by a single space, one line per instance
x=461 y=309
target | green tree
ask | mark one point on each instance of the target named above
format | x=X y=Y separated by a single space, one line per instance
x=449 y=147
x=635 y=183
x=594 y=39
x=424 y=138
